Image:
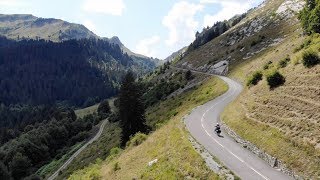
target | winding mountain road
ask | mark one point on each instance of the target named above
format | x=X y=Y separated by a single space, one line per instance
x=241 y=161
x=54 y=175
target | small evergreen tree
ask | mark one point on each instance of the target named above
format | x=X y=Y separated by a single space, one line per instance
x=131 y=108
x=104 y=109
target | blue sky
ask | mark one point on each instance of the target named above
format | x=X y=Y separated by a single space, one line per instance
x=153 y=28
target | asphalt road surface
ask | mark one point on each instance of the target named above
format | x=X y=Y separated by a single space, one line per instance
x=54 y=175
x=241 y=161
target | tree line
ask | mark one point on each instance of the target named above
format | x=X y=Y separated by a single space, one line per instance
x=216 y=30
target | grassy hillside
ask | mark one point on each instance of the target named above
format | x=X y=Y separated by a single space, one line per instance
x=169 y=144
x=285 y=121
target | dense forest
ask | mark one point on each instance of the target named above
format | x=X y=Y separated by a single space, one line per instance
x=15 y=120
x=49 y=138
x=73 y=73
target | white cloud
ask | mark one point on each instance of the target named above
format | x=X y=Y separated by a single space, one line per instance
x=112 y=7
x=145 y=46
x=90 y=25
x=11 y=3
x=228 y=10
x=181 y=23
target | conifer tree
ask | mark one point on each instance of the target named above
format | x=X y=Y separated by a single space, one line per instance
x=131 y=108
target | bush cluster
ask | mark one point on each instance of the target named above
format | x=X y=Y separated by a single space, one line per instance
x=284 y=62
x=275 y=79
x=254 y=78
x=310 y=59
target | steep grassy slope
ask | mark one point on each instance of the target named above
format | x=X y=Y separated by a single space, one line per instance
x=284 y=122
x=169 y=144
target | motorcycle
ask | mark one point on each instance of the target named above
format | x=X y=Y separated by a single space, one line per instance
x=217 y=129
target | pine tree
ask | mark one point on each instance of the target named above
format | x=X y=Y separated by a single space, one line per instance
x=131 y=108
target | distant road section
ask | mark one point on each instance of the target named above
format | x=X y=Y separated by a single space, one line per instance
x=54 y=175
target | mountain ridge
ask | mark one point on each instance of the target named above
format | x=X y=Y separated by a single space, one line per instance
x=28 y=26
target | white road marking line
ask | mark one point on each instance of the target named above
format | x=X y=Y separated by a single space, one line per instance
x=202 y=119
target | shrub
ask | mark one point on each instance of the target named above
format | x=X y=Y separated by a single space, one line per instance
x=188 y=75
x=257 y=41
x=275 y=79
x=114 y=152
x=254 y=78
x=137 y=139
x=266 y=66
x=116 y=166
x=253 y=43
x=284 y=62
x=310 y=59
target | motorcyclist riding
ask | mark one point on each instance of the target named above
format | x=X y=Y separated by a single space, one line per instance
x=217 y=129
